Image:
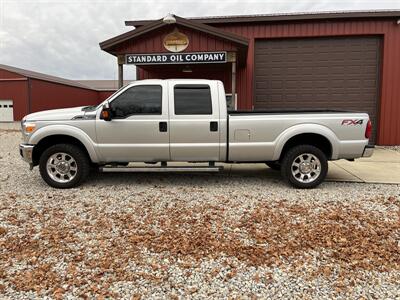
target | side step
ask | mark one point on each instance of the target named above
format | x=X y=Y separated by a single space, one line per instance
x=111 y=169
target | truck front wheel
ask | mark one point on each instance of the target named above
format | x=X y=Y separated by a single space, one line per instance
x=304 y=166
x=64 y=166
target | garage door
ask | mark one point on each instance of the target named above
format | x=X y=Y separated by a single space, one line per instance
x=329 y=73
x=6 y=111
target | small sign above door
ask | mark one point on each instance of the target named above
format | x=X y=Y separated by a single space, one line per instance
x=176 y=41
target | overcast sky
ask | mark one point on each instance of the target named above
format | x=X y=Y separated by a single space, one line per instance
x=62 y=38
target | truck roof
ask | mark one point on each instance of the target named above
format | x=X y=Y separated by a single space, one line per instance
x=192 y=80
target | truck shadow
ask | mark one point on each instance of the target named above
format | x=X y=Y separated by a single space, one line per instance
x=259 y=177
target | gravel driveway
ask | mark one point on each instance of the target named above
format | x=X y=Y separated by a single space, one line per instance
x=194 y=236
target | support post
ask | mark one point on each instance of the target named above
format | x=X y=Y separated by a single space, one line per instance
x=120 y=71
x=234 y=83
x=120 y=75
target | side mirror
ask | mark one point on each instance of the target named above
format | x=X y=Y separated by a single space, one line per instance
x=106 y=113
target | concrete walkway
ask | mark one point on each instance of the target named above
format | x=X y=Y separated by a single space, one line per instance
x=382 y=167
x=11 y=126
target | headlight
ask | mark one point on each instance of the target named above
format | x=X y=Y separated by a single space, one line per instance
x=28 y=128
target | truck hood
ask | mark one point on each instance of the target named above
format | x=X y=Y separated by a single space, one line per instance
x=57 y=114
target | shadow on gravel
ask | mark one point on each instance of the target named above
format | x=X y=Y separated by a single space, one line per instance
x=178 y=179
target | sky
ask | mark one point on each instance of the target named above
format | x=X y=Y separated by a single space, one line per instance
x=61 y=38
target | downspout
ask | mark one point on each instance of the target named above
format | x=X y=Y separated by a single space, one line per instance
x=29 y=96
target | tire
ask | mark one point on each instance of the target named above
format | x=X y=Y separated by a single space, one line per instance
x=64 y=166
x=274 y=165
x=304 y=166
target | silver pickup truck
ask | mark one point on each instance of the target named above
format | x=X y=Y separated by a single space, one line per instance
x=186 y=120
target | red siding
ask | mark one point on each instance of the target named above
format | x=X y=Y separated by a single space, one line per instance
x=103 y=95
x=4 y=74
x=50 y=95
x=18 y=92
x=44 y=95
x=153 y=42
x=389 y=120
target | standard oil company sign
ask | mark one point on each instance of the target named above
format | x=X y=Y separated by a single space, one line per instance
x=177 y=58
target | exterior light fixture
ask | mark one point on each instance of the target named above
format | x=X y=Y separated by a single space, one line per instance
x=187 y=69
x=169 y=19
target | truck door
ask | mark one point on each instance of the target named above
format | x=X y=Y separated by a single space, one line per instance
x=139 y=127
x=194 y=121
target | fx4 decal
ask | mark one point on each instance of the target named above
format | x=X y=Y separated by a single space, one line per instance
x=352 y=122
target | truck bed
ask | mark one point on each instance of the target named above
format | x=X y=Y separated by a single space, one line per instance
x=256 y=134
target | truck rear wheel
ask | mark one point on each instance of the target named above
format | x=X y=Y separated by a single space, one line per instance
x=64 y=166
x=304 y=166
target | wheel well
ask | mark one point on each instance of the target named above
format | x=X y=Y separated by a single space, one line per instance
x=313 y=139
x=53 y=140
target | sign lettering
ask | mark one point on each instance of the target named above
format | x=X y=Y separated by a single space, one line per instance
x=176 y=58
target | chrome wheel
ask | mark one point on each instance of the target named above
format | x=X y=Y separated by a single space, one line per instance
x=61 y=167
x=306 y=168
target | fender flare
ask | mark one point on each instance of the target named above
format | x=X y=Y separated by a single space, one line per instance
x=290 y=132
x=68 y=130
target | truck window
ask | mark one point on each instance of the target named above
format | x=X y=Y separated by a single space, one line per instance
x=141 y=99
x=192 y=99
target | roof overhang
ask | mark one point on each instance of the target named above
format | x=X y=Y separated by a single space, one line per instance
x=285 y=17
x=109 y=44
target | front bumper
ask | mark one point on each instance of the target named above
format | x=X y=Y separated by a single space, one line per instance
x=368 y=151
x=26 y=152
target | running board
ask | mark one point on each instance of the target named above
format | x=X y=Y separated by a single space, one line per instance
x=160 y=169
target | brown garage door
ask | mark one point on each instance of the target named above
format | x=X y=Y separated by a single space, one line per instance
x=329 y=73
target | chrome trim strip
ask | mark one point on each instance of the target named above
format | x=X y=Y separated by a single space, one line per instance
x=159 y=169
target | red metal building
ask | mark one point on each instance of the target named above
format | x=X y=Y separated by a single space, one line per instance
x=326 y=60
x=23 y=92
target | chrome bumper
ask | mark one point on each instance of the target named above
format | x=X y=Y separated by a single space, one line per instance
x=368 y=151
x=26 y=152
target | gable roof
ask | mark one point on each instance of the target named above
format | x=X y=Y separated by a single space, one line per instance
x=284 y=17
x=108 y=44
x=44 y=77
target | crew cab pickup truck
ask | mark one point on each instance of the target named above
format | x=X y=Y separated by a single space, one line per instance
x=186 y=120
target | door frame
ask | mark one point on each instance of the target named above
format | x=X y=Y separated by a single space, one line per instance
x=191 y=150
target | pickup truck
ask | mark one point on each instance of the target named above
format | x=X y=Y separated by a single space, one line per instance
x=186 y=120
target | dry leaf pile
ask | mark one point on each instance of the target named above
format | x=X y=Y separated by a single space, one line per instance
x=98 y=251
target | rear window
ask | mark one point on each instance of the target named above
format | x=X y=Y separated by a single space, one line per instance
x=192 y=100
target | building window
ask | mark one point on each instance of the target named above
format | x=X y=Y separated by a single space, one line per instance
x=138 y=100
x=192 y=99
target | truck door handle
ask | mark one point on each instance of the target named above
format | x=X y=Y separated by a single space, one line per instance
x=162 y=126
x=213 y=126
